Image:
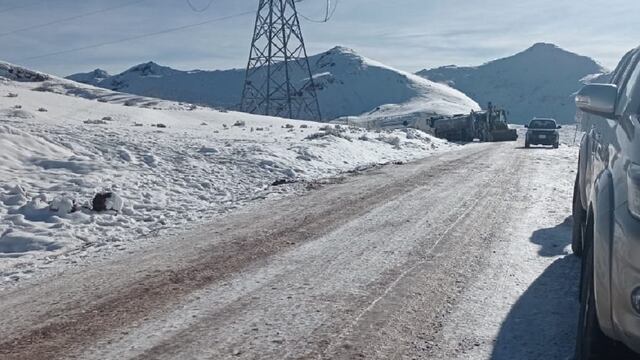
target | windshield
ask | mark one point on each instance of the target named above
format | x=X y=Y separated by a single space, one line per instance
x=542 y=124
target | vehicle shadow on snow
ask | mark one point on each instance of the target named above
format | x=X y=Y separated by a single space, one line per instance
x=542 y=323
x=534 y=147
x=553 y=241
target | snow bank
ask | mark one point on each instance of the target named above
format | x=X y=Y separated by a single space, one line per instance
x=16 y=243
x=21 y=150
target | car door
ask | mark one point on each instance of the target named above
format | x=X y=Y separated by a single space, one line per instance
x=623 y=153
x=602 y=136
x=620 y=128
x=622 y=146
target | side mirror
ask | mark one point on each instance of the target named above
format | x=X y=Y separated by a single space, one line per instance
x=598 y=99
x=526 y=126
x=559 y=126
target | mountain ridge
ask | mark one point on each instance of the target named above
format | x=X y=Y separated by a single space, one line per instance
x=347 y=84
x=538 y=81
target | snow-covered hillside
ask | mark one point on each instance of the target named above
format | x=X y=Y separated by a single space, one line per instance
x=212 y=88
x=91 y=78
x=539 y=81
x=348 y=85
x=172 y=163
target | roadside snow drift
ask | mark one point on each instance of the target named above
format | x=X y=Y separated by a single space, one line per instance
x=168 y=165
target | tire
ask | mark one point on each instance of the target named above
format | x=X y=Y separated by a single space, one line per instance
x=591 y=342
x=527 y=145
x=578 y=220
x=556 y=145
x=467 y=137
x=484 y=137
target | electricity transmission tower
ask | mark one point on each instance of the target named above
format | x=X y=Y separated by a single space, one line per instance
x=278 y=78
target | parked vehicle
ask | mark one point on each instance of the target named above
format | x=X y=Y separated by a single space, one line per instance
x=606 y=212
x=542 y=132
x=487 y=126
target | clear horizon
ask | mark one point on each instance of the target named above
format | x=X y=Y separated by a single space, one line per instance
x=409 y=37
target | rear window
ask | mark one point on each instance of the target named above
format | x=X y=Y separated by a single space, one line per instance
x=542 y=124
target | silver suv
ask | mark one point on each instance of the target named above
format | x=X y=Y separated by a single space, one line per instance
x=606 y=211
x=542 y=132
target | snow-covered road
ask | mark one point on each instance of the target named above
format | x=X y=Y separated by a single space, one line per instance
x=461 y=255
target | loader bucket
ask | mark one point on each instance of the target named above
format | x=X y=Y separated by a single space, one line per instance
x=504 y=135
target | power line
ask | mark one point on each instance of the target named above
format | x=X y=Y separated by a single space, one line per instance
x=71 y=18
x=142 y=36
x=17 y=7
x=328 y=15
x=199 y=10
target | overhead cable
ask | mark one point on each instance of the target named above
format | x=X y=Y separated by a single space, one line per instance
x=328 y=15
x=74 y=17
x=142 y=36
x=23 y=6
x=194 y=8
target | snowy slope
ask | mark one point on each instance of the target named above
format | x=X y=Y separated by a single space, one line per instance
x=62 y=142
x=382 y=96
x=212 y=88
x=539 y=82
x=91 y=78
x=349 y=85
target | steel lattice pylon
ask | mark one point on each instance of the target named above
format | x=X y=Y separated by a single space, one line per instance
x=278 y=78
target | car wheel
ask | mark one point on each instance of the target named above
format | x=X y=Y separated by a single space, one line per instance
x=556 y=145
x=591 y=342
x=527 y=145
x=578 y=220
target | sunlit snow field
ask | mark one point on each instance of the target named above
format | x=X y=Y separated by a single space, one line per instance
x=173 y=165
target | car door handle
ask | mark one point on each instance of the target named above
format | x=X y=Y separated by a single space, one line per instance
x=597 y=136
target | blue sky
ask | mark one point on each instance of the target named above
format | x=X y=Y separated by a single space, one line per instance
x=407 y=34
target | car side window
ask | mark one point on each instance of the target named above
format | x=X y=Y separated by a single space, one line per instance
x=627 y=85
x=622 y=66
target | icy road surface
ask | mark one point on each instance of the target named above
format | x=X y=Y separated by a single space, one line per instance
x=458 y=256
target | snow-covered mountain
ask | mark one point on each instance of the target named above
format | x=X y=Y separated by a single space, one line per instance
x=348 y=85
x=91 y=78
x=539 y=82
